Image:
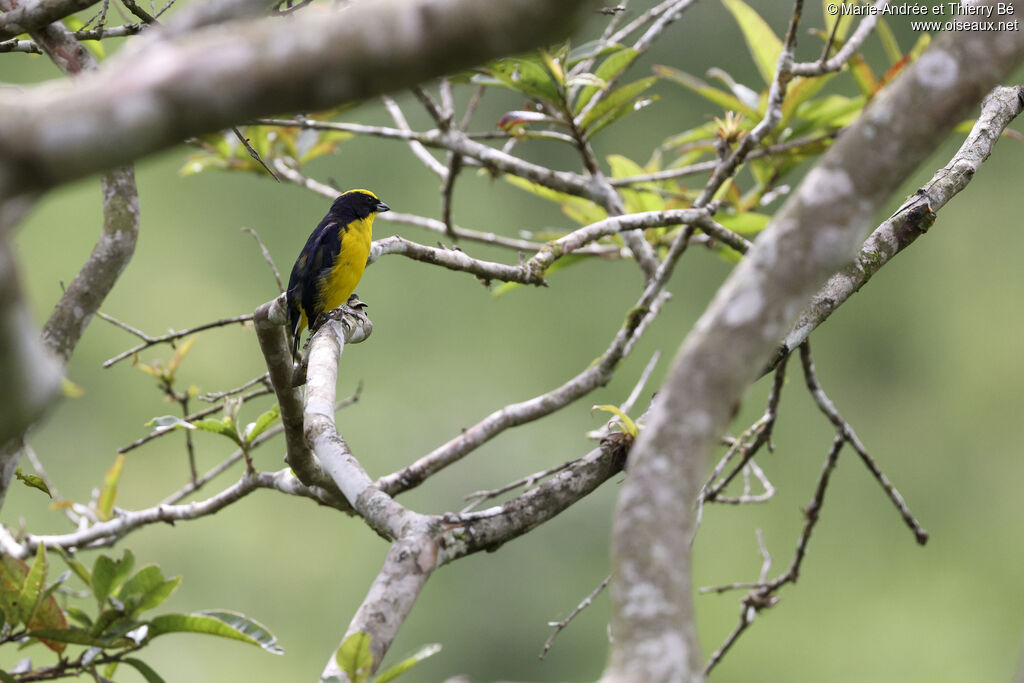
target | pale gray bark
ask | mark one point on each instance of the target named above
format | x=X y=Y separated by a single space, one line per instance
x=163 y=91
x=816 y=233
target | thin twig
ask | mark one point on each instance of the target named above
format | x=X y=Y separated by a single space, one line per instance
x=198 y=415
x=266 y=255
x=168 y=338
x=844 y=429
x=526 y=482
x=416 y=146
x=559 y=626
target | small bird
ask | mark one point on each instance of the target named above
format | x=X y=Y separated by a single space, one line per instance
x=333 y=260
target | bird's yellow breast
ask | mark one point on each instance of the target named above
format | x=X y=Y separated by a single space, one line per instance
x=336 y=288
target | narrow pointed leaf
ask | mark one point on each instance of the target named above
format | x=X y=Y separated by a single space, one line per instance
x=108 y=494
x=144 y=669
x=217 y=623
x=397 y=670
x=624 y=94
x=33 y=481
x=32 y=588
x=610 y=68
x=725 y=100
x=765 y=47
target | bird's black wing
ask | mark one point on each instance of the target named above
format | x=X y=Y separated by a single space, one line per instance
x=314 y=264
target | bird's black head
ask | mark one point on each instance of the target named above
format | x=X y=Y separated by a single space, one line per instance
x=356 y=204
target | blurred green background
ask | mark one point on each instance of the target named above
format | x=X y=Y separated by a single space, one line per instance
x=924 y=362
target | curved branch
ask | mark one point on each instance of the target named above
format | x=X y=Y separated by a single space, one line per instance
x=107 y=261
x=911 y=220
x=162 y=91
x=30 y=16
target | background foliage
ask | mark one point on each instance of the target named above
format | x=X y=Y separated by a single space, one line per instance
x=924 y=362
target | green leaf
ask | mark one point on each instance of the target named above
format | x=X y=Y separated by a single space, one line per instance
x=94 y=46
x=589 y=50
x=920 y=46
x=397 y=670
x=844 y=28
x=144 y=669
x=764 y=45
x=182 y=350
x=354 y=657
x=863 y=75
x=888 y=38
x=6 y=677
x=74 y=636
x=800 y=90
x=746 y=223
x=554 y=69
x=108 y=494
x=12 y=578
x=524 y=76
x=158 y=595
x=225 y=427
x=610 y=68
x=80 y=616
x=28 y=600
x=828 y=113
x=726 y=100
x=703 y=132
x=77 y=567
x=636 y=200
x=217 y=623
x=147 y=589
x=108 y=574
x=620 y=96
x=579 y=209
x=33 y=481
x=201 y=161
x=623 y=110
x=69 y=389
x=254 y=429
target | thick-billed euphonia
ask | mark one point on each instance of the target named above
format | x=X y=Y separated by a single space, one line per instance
x=333 y=260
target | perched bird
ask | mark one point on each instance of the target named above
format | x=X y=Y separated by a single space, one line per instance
x=333 y=260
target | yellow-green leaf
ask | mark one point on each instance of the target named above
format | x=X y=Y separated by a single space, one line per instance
x=108 y=494
x=640 y=198
x=888 y=38
x=628 y=426
x=726 y=100
x=746 y=223
x=179 y=355
x=620 y=96
x=764 y=45
x=354 y=657
x=579 y=209
x=33 y=481
x=70 y=389
x=611 y=67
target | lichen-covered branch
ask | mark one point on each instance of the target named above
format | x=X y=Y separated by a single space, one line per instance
x=28 y=16
x=815 y=233
x=168 y=89
x=912 y=219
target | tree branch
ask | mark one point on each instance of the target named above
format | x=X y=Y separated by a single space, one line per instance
x=816 y=232
x=29 y=16
x=165 y=90
x=912 y=219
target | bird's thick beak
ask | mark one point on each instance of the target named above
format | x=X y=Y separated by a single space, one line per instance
x=382 y=207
